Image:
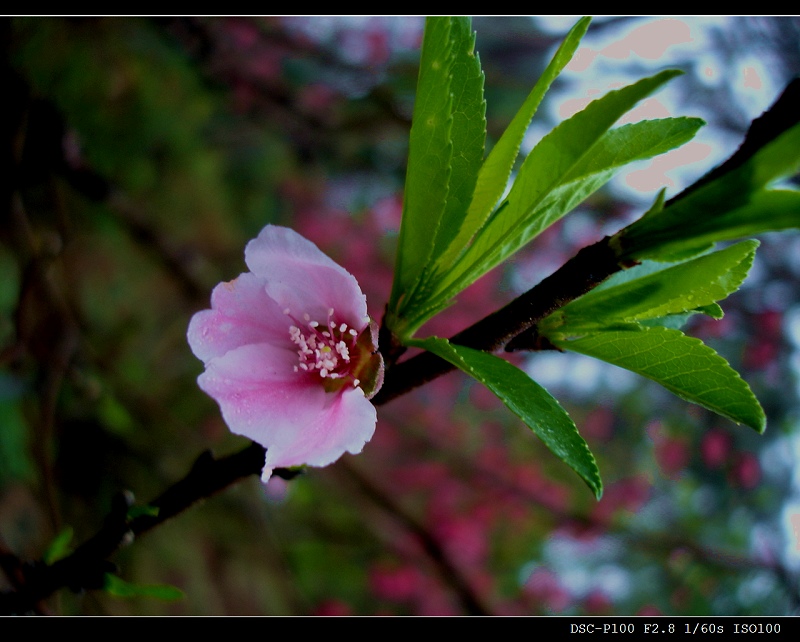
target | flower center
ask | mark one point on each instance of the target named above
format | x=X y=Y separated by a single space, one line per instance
x=324 y=349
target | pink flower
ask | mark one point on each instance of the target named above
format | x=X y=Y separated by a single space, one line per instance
x=290 y=353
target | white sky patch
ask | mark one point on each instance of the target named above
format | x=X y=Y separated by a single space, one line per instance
x=647 y=40
x=791 y=528
x=579 y=375
x=662 y=171
x=782 y=458
x=586 y=566
x=754 y=84
x=758 y=586
x=791 y=325
x=620 y=53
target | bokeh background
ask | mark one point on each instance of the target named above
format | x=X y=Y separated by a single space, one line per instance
x=144 y=153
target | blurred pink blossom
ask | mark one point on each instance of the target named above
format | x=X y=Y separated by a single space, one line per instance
x=649 y=609
x=746 y=471
x=598 y=603
x=330 y=608
x=672 y=455
x=290 y=353
x=545 y=588
x=715 y=448
x=397 y=584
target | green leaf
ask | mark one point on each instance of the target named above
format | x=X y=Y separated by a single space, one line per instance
x=560 y=158
x=60 y=546
x=677 y=321
x=633 y=142
x=683 y=365
x=540 y=411
x=649 y=291
x=118 y=587
x=674 y=321
x=429 y=158
x=496 y=169
x=712 y=309
x=569 y=164
x=446 y=150
x=468 y=133
x=735 y=204
x=631 y=321
x=762 y=211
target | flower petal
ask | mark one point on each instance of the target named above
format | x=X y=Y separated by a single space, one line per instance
x=259 y=393
x=242 y=313
x=303 y=279
x=345 y=424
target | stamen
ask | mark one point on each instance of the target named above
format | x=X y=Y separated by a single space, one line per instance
x=326 y=349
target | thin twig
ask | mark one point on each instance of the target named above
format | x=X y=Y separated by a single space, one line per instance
x=472 y=602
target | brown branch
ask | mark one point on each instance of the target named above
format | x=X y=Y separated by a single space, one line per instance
x=587 y=269
x=514 y=326
x=782 y=115
x=472 y=602
x=86 y=567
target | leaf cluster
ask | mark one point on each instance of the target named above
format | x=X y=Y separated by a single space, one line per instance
x=462 y=219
